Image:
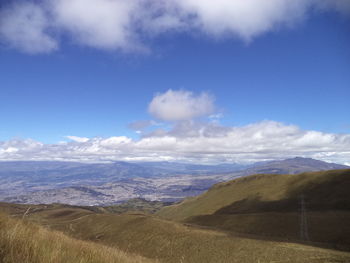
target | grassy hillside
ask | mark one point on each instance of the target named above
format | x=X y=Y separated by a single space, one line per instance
x=322 y=190
x=169 y=241
x=149 y=236
x=269 y=205
x=251 y=219
x=137 y=204
x=132 y=205
x=25 y=242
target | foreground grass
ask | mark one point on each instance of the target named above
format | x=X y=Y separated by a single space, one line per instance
x=145 y=235
x=172 y=242
x=24 y=242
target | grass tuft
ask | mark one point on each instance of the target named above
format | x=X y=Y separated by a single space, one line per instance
x=22 y=241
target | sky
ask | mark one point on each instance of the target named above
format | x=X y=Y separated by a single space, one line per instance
x=174 y=80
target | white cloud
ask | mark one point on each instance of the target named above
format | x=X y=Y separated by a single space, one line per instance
x=206 y=143
x=77 y=139
x=181 y=105
x=121 y=24
x=245 y=19
x=115 y=141
x=24 y=27
x=97 y=23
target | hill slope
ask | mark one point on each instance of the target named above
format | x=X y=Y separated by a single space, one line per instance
x=21 y=241
x=322 y=189
x=270 y=205
x=168 y=241
x=172 y=242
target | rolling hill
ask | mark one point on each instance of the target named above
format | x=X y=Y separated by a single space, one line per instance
x=167 y=241
x=271 y=205
x=261 y=218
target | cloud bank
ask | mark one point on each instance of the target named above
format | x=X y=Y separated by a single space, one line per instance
x=39 y=26
x=193 y=142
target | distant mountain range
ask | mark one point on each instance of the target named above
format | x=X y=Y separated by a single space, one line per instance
x=110 y=183
x=292 y=166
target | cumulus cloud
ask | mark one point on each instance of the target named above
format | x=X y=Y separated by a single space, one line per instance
x=208 y=143
x=181 y=105
x=25 y=27
x=246 y=19
x=121 y=24
x=97 y=23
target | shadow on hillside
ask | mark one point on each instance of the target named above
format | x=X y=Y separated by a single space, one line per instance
x=325 y=219
x=329 y=192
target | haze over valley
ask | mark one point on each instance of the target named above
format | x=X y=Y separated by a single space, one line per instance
x=108 y=184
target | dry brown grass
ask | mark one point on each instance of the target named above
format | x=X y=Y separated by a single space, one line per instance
x=326 y=190
x=172 y=242
x=23 y=242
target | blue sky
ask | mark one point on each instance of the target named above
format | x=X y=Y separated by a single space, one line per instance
x=295 y=75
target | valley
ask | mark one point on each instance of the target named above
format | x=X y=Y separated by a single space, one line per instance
x=112 y=183
x=248 y=219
